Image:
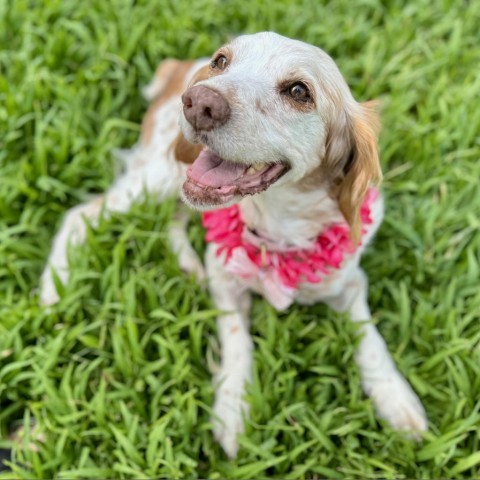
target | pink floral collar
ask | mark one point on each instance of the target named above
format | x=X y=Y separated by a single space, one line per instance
x=280 y=271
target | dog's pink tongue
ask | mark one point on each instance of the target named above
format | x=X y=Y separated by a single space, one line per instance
x=211 y=170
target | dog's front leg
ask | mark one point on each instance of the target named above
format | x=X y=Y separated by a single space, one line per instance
x=393 y=397
x=161 y=179
x=231 y=297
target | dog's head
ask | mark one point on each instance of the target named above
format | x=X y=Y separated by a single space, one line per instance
x=273 y=111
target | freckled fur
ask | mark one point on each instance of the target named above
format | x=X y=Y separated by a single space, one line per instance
x=260 y=107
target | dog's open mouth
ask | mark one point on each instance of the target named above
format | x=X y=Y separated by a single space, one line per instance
x=212 y=180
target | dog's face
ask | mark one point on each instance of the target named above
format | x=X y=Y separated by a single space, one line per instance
x=271 y=111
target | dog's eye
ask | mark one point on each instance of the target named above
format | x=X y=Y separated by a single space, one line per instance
x=220 y=62
x=299 y=91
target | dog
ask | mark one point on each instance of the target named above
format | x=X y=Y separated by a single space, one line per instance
x=283 y=162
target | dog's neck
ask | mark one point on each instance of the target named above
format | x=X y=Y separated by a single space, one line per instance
x=291 y=215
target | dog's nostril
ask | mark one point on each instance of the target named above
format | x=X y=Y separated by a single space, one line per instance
x=205 y=109
x=187 y=100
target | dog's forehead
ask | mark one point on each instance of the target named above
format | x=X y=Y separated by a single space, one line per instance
x=268 y=44
x=275 y=55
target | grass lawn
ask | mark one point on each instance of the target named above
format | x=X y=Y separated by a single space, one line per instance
x=117 y=375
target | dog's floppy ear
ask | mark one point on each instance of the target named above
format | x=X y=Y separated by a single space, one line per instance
x=183 y=150
x=352 y=150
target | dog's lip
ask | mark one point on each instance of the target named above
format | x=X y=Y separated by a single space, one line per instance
x=211 y=171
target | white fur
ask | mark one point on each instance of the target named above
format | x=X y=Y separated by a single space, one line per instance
x=250 y=82
x=286 y=212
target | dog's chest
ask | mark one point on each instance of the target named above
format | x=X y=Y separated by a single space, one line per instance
x=280 y=273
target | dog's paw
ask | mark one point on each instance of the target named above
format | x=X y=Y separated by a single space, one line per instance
x=48 y=291
x=229 y=411
x=397 y=403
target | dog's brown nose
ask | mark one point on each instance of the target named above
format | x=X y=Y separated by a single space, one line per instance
x=204 y=108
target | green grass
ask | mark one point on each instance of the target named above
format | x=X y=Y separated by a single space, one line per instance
x=116 y=376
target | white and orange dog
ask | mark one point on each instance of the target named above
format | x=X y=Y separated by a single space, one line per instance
x=274 y=146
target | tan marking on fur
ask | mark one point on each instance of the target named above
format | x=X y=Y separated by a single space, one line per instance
x=164 y=72
x=97 y=201
x=183 y=150
x=234 y=329
x=139 y=163
x=338 y=146
x=307 y=106
x=260 y=107
x=363 y=168
x=303 y=106
x=175 y=72
x=228 y=53
x=313 y=180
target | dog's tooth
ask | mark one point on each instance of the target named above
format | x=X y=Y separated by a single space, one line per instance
x=255 y=168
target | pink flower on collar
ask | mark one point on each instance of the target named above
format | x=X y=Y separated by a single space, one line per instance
x=226 y=228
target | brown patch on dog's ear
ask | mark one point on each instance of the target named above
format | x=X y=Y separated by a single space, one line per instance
x=184 y=151
x=361 y=167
